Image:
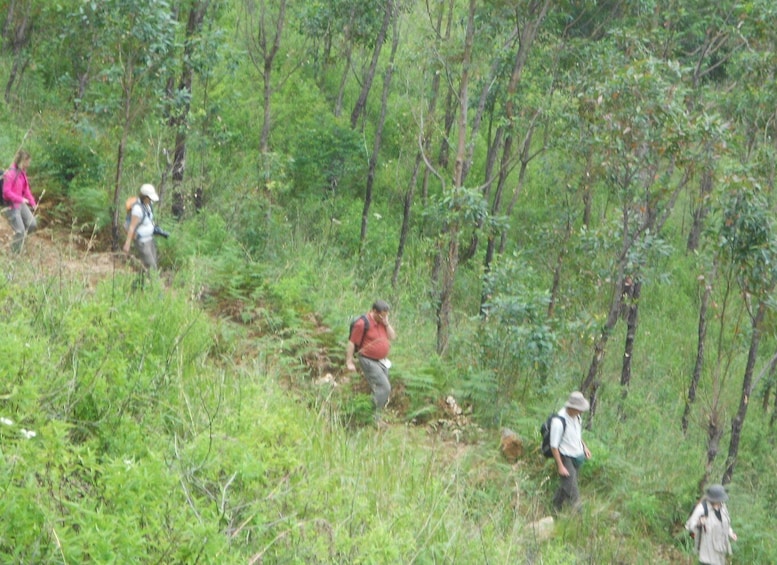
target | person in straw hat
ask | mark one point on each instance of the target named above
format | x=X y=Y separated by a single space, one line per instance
x=569 y=450
x=710 y=524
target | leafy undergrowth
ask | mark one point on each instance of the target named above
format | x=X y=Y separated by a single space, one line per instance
x=185 y=424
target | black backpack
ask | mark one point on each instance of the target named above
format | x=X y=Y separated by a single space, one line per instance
x=3 y=202
x=366 y=327
x=545 y=433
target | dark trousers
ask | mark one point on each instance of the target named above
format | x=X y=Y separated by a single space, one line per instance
x=567 y=491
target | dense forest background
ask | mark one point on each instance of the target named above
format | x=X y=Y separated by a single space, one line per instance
x=553 y=195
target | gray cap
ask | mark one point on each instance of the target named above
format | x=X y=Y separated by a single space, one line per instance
x=381 y=306
x=716 y=493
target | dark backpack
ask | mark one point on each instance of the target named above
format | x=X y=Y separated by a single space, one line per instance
x=545 y=433
x=364 y=317
x=3 y=202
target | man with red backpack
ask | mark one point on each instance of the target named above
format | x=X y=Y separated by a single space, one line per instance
x=371 y=336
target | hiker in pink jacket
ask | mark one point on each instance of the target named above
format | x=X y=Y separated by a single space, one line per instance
x=19 y=199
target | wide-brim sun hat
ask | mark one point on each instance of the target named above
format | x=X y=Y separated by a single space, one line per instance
x=577 y=401
x=150 y=191
x=716 y=493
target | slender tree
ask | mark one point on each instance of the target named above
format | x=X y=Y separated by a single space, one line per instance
x=426 y=121
x=751 y=245
x=450 y=257
x=264 y=24
x=369 y=75
x=141 y=35
x=643 y=152
x=381 y=122
x=17 y=33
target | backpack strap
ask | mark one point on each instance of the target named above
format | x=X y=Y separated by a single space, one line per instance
x=366 y=327
x=563 y=423
x=143 y=211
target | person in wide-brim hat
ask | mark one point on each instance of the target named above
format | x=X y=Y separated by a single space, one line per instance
x=577 y=401
x=711 y=525
x=568 y=449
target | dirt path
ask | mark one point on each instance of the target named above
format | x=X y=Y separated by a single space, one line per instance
x=56 y=252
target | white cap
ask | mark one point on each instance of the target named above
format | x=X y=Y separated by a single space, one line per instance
x=148 y=190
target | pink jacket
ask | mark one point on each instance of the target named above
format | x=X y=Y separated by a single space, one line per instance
x=16 y=188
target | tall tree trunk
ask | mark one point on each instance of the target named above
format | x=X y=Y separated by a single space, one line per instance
x=585 y=185
x=714 y=433
x=426 y=143
x=526 y=156
x=343 y=79
x=562 y=253
x=773 y=419
x=180 y=121
x=632 y=319
x=590 y=384
x=379 y=131
x=738 y=422
x=405 y=229
x=361 y=102
x=488 y=183
x=128 y=89
x=527 y=34
x=18 y=35
x=268 y=58
x=450 y=116
x=115 y=235
x=700 y=209
x=700 y=350
x=654 y=218
x=451 y=258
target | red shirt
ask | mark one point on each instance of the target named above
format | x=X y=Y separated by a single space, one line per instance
x=376 y=344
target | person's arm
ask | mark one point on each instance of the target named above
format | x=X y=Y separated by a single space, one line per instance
x=27 y=193
x=349 y=351
x=731 y=533
x=392 y=335
x=559 y=463
x=556 y=434
x=696 y=519
x=134 y=221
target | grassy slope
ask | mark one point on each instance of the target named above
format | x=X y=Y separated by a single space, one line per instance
x=163 y=434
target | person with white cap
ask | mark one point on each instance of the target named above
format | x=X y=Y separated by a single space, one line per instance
x=141 y=228
x=710 y=525
x=568 y=448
